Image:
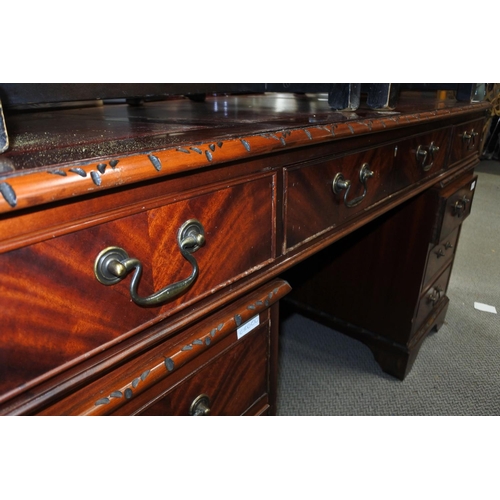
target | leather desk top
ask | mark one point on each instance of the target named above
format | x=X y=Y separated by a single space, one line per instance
x=56 y=154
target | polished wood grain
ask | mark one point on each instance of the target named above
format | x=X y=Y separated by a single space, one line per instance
x=409 y=169
x=70 y=309
x=311 y=205
x=233 y=381
x=129 y=387
x=257 y=172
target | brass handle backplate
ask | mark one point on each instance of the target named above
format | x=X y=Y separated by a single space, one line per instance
x=460 y=206
x=470 y=139
x=440 y=253
x=426 y=155
x=435 y=295
x=442 y=250
x=200 y=407
x=340 y=183
x=113 y=264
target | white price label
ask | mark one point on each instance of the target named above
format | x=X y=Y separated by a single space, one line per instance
x=248 y=326
x=485 y=307
x=472 y=186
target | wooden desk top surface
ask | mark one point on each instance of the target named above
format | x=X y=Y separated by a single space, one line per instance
x=61 y=153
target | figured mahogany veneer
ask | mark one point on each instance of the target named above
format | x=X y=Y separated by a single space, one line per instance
x=234 y=381
x=70 y=309
x=311 y=186
x=411 y=166
x=258 y=173
x=234 y=368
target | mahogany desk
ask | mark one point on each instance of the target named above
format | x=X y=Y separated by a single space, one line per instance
x=145 y=250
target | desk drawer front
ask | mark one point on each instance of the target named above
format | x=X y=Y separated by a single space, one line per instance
x=440 y=256
x=312 y=206
x=231 y=382
x=420 y=157
x=454 y=207
x=227 y=357
x=431 y=297
x=69 y=313
x=466 y=140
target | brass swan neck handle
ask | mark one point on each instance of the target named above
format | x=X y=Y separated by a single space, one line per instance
x=113 y=264
x=340 y=183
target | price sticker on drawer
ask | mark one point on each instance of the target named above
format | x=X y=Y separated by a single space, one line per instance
x=472 y=186
x=248 y=326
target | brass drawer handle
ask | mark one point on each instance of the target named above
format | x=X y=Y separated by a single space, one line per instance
x=435 y=295
x=200 y=407
x=340 y=183
x=440 y=253
x=113 y=264
x=460 y=206
x=470 y=138
x=425 y=154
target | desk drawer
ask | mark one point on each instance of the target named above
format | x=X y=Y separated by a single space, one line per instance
x=455 y=202
x=313 y=207
x=430 y=298
x=420 y=157
x=466 y=140
x=230 y=384
x=440 y=256
x=53 y=304
x=228 y=357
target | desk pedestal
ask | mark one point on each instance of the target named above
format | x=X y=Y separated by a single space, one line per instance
x=386 y=283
